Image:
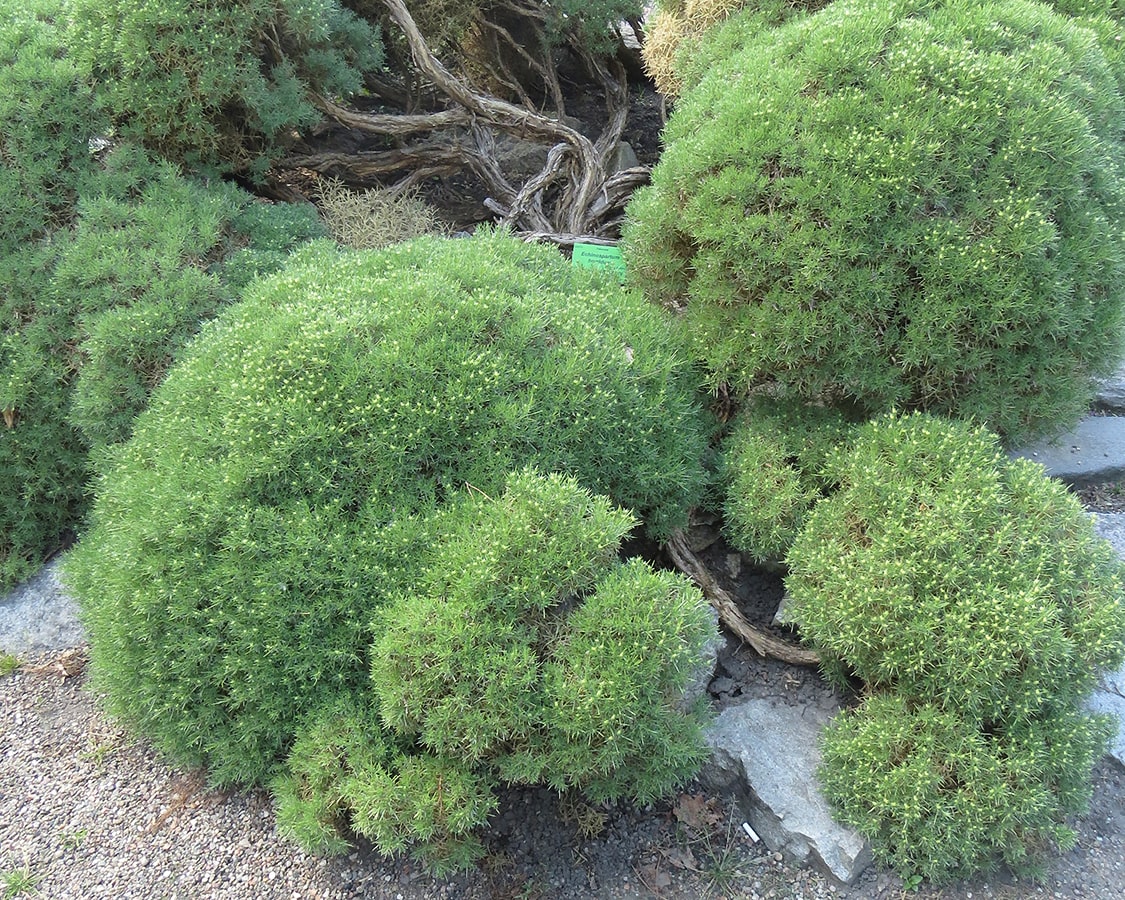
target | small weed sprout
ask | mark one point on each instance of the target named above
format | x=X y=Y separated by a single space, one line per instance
x=73 y=840
x=19 y=881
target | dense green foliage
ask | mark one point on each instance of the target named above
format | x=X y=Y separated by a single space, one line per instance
x=95 y=314
x=940 y=797
x=973 y=598
x=283 y=483
x=524 y=652
x=219 y=84
x=773 y=472
x=909 y=204
x=46 y=119
x=149 y=262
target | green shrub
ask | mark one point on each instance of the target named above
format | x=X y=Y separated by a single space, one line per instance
x=942 y=568
x=282 y=485
x=904 y=204
x=94 y=313
x=154 y=256
x=42 y=457
x=525 y=652
x=220 y=84
x=939 y=797
x=47 y=118
x=773 y=463
x=973 y=598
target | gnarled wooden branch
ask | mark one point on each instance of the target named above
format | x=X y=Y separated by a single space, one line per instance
x=572 y=194
x=729 y=614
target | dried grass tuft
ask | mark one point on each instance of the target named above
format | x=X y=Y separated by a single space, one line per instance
x=368 y=220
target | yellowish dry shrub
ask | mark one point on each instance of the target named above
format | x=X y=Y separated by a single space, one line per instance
x=368 y=220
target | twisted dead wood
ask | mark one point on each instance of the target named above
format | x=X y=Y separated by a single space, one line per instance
x=729 y=614
x=573 y=193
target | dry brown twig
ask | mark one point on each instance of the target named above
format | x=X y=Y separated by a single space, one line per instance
x=67 y=664
x=729 y=614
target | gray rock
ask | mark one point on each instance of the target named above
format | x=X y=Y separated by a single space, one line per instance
x=705 y=666
x=1109 y=698
x=39 y=615
x=520 y=158
x=1111 y=526
x=624 y=157
x=1091 y=453
x=766 y=756
x=1111 y=393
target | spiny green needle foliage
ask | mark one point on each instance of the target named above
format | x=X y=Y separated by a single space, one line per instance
x=906 y=204
x=773 y=462
x=525 y=652
x=46 y=120
x=220 y=84
x=973 y=598
x=42 y=457
x=943 y=568
x=283 y=483
x=94 y=314
x=153 y=257
x=939 y=797
x=47 y=117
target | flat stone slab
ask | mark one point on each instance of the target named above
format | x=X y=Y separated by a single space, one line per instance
x=1091 y=453
x=767 y=755
x=39 y=615
x=1111 y=393
x=1110 y=697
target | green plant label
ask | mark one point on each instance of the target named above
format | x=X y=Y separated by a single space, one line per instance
x=599 y=256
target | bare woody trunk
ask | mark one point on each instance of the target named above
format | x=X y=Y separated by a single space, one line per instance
x=574 y=195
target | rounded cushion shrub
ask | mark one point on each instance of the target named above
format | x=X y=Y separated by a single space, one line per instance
x=283 y=483
x=940 y=797
x=973 y=598
x=900 y=204
x=525 y=652
x=943 y=568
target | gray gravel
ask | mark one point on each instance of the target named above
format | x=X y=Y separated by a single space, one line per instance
x=89 y=812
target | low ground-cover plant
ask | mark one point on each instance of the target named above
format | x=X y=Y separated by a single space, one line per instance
x=283 y=485
x=525 y=652
x=974 y=600
x=904 y=204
